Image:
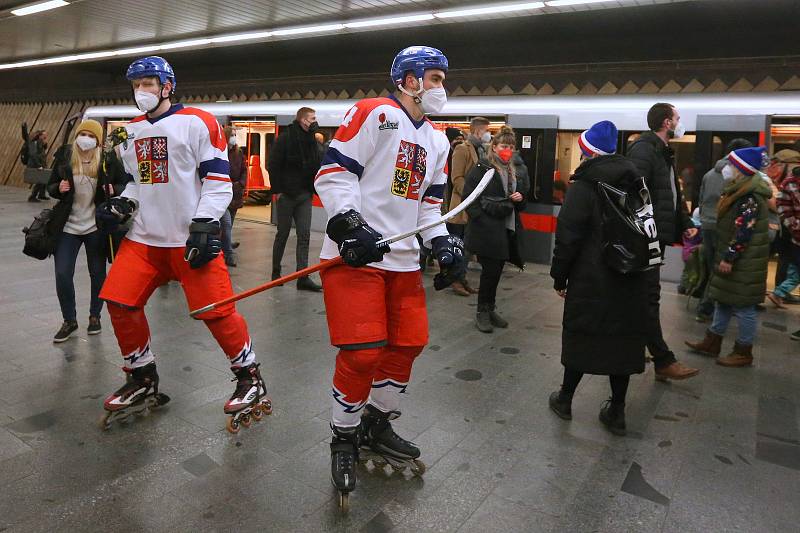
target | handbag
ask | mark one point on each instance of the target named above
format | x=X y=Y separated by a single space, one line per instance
x=496 y=206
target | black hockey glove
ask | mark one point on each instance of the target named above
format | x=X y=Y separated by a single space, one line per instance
x=115 y=211
x=449 y=252
x=358 y=243
x=204 y=243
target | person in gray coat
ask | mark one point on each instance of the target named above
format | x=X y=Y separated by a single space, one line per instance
x=710 y=192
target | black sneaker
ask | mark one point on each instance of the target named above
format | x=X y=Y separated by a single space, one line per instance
x=306 y=284
x=612 y=416
x=67 y=329
x=94 y=325
x=795 y=336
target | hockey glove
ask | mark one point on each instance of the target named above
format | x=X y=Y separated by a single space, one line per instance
x=449 y=252
x=358 y=243
x=204 y=242
x=115 y=211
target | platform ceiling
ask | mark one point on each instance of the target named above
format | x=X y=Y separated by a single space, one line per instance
x=96 y=25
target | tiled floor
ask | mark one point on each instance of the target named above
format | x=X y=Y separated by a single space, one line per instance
x=720 y=452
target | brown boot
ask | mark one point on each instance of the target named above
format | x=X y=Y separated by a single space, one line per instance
x=742 y=355
x=711 y=345
x=676 y=371
x=459 y=289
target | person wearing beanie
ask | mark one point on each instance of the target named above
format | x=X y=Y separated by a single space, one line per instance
x=655 y=161
x=494 y=229
x=710 y=192
x=740 y=279
x=83 y=177
x=605 y=313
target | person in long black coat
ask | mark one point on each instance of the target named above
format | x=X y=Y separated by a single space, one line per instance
x=493 y=227
x=604 y=324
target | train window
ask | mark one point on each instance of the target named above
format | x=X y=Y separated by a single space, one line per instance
x=254 y=144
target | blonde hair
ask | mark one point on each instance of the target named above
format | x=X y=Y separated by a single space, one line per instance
x=90 y=169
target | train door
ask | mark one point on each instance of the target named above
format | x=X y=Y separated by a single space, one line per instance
x=783 y=132
x=536 y=143
x=255 y=138
x=714 y=132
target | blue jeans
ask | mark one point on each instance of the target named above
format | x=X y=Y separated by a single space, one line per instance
x=226 y=225
x=746 y=316
x=65 y=256
x=791 y=281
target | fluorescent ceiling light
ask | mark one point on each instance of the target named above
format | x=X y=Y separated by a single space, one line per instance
x=388 y=21
x=489 y=10
x=137 y=50
x=309 y=29
x=38 y=8
x=185 y=44
x=562 y=3
x=242 y=37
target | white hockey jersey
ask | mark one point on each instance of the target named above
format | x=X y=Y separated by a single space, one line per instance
x=179 y=164
x=391 y=169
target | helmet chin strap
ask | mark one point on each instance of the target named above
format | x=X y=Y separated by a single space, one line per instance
x=416 y=95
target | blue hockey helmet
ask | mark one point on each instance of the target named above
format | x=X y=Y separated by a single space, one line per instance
x=152 y=66
x=417 y=59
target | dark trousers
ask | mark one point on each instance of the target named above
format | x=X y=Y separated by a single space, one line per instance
x=65 y=256
x=662 y=356
x=288 y=208
x=491 y=270
x=619 y=385
x=39 y=190
x=706 y=306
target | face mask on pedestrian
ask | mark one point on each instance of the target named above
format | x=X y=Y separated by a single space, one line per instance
x=313 y=127
x=486 y=137
x=505 y=154
x=147 y=102
x=86 y=142
x=677 y=131
x=728 y=173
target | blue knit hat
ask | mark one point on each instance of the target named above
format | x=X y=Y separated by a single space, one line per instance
x=748 y=161
x=600 y=139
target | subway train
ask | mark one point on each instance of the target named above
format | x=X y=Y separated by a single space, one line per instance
x=547 y=130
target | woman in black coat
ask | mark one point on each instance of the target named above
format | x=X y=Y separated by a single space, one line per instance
x=493 y=227
x=83 y=177
x=604 y=325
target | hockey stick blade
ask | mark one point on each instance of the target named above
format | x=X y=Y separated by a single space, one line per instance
x=338 y=260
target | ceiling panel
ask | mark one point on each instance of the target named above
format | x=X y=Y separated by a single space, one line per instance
x=90 y=25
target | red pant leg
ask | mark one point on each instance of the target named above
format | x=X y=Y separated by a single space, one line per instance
x=133 y=334
x=392 y=375
x=232 y=335
x=352 y=381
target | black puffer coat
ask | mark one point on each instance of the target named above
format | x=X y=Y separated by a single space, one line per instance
x=604 y=313
x=655 y=161
x=487 y=235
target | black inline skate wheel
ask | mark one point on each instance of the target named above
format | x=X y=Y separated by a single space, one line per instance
x=104 y=423
x=344 y=501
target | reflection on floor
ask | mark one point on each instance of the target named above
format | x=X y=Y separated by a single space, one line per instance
x=720 y=452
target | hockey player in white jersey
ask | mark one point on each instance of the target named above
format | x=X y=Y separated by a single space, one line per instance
x=384 y=174
x=178 y=164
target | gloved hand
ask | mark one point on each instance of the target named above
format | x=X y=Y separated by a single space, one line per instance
x=115 y=211
x=449 y=252
x=358 y=242
x=204 y=242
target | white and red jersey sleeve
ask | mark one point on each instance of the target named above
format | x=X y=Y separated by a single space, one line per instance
x=389 y=167
x=213 y=167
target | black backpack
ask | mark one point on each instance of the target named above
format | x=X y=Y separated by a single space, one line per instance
x=630 y=240
x=38 y=241
x=23 y=154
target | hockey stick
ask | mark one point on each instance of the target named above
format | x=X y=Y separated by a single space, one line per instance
x=327 y=263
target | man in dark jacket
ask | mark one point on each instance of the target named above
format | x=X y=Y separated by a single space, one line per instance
x=293 y=163
x=37 y=158
x=655 y=160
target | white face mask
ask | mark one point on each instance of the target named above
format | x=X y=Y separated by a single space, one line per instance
x=486 y=137
x=232 y=141
x=679 y=131
x=727 y=173
x=85 y=142
x=433 y=100
x=145 y=101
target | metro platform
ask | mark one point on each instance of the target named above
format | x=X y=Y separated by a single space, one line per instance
x=720 y=452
